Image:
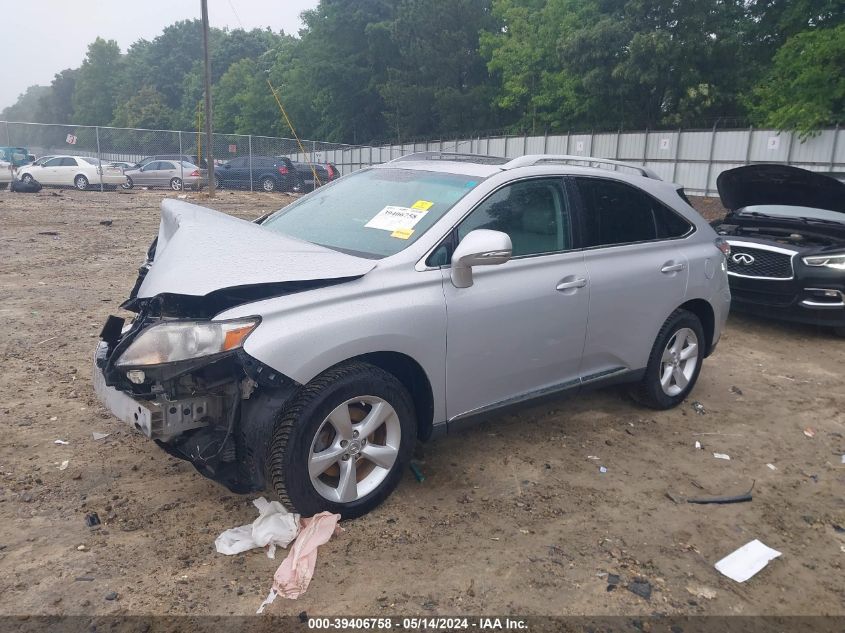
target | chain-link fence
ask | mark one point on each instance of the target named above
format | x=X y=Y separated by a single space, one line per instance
x=692 y=158
x=128 y=147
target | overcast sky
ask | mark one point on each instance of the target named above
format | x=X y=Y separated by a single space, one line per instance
x=46 y=36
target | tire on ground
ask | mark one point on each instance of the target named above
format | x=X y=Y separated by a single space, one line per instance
x=298 y=423
x=649 y=391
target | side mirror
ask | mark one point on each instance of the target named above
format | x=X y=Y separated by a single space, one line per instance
x=227 y=166
x=481 y=247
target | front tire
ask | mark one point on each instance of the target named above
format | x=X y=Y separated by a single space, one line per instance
x=343 y=444
x=80 y=182
x=176 y=184
x=128 y=184
x=674 y=363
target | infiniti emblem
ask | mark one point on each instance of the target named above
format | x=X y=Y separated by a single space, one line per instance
x=743 y=258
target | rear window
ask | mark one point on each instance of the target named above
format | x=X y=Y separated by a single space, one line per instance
x=374 y=212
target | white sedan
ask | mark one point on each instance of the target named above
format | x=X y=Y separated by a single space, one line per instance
x=72 y=171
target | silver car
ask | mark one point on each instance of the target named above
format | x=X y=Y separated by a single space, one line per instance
x=307 y=352
x=167 y=173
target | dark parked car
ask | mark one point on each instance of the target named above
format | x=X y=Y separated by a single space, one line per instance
x=326 y=172
x=786 y=228
x=188 y=158
x=269 y=173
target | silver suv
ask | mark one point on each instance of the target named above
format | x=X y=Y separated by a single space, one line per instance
x=307 y=352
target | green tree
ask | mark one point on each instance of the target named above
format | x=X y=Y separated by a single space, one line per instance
x=805 y=88
x=145 y=109
x=57 y=104
x=95 y=94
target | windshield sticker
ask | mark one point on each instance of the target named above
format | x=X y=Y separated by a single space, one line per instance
x=422 y=205
x=402 y=234
x=395 y=218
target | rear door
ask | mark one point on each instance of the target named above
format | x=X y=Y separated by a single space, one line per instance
x=637 y=270
x=518 y=331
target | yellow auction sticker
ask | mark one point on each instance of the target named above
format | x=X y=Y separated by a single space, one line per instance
x=423 y=205
x=402 y=234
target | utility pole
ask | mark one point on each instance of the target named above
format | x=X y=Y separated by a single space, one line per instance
x=209 y=145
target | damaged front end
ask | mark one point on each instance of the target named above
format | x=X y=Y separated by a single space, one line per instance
x=181 y=377
x=212 y=409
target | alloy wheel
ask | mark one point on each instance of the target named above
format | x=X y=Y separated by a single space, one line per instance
x=354 y=449
x=679 y=361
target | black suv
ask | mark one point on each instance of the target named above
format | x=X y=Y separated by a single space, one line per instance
x=786 y=228
x=269 y=173
x=188 y=158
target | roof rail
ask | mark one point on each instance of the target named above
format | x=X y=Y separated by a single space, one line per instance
x=534 y=159
x=453 y=156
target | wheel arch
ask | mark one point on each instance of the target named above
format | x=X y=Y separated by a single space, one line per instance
x=704 y=311
x=413 y=377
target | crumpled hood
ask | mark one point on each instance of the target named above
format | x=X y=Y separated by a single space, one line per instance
x=200 y=250
x=779 y=184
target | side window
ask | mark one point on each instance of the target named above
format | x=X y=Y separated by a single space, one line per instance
x=532 y=212
x=669 y=223
x=617 y=213
x=69 y=162
x=53 y=162
x=238 y=162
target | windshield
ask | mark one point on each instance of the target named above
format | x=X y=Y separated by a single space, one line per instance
x=787 y=211
x=374 y=212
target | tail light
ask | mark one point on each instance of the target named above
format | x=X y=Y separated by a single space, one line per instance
x=196 y=172
x=330 y=171
x=722 y=245
x=283 y=170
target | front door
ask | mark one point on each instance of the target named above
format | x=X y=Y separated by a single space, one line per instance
x=519 y=330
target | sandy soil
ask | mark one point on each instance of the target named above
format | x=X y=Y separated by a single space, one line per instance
x=513 y=515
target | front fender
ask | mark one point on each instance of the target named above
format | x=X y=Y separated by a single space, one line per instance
x=303 y=334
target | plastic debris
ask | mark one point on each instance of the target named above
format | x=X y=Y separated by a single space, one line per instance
x=418 y=474
x=843 y=459
x=61 y=442
x=602 y=469
x=722 y=456
x=698 y=444
x=64 y=464
x=698 y=408
x=771 y=467
x=274 y=526
x=293 y=576
x=723 y=500
x=745 y=562
x=640 y=587
x=92 y=519
x=593 y=457
x=810 y=432
x=99 y=436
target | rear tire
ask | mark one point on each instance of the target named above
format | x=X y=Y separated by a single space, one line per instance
x=128 y=184
x=674 y=363
x=268 y=184
x=328 y=435
x=176 y=184
x=839 y=331
x=80 y=182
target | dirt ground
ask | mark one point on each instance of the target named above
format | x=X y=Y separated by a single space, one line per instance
x=514 y=516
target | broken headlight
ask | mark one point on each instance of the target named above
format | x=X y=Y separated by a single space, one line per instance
x=183 y=340
x=828 y=261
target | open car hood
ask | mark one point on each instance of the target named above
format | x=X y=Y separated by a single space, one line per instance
x=200 y=251
x=779 y=184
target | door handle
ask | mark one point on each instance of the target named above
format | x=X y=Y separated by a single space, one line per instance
x=672 y=268
x=579 y=282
